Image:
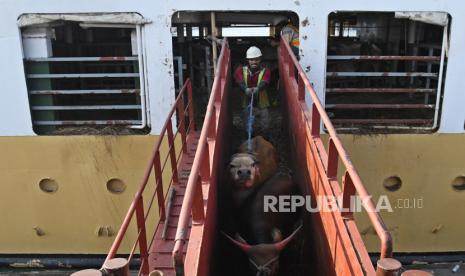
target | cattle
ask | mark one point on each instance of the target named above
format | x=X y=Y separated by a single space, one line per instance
x=266 y=155
x=250 y=169
x=259 y=232
x=244 y=170
x=264 y=258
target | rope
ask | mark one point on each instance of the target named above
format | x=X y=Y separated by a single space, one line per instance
x=264 y=269
x=250 y=119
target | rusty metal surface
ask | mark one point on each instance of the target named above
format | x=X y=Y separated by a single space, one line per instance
x=116 y=267
x=416 y=273
x=344 y=247
x=84 y=91
x=137 y=205
x=388 y=267
x=85 y=107
x=380 y=90
x=202 y=180
x=93 y=122
x=379 y=106
x=70 y=59
x=381 y=74
x=89 y=75
x=87 y=272
x=382 y=121
x=407 y=58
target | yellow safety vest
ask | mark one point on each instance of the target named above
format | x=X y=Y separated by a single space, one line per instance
x=263 y=101
x=295 y=42
x=293 y=32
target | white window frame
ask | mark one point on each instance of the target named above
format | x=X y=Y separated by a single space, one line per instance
x=104 y=20
x=439 y=18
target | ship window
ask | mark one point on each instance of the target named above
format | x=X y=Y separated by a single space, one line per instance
x=385 y=70
x=343 y=27
x=85 y=78
x=197 y=38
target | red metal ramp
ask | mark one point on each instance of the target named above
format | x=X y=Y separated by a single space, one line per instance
x=192 y=218
x=160 y=253
x=172 y=158
x=340 y=246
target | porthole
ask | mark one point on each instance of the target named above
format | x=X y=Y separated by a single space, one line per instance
x=392 y=183
x=116 y=186
x=458 y=183
x=48 y=185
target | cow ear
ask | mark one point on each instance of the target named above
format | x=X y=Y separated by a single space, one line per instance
x=233 y=156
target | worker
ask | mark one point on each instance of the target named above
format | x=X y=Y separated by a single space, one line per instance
x=253 y=80
x=291 y=34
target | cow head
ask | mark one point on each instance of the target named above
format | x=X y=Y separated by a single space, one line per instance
x=264 y=258
x=243 y=169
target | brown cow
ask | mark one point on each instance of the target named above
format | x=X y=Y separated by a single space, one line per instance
x=244 y=170
x=248 y=170
x=266 y=155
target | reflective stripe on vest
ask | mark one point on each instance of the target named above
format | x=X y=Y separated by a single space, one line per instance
x=295 y=42
x=263 y=101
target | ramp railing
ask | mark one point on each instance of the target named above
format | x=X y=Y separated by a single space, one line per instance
x=202 y=180
x=159 y=166
x=322 y=162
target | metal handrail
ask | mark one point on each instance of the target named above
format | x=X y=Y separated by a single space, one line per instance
x=154 y=164
x=352 y=182
x=200 y=171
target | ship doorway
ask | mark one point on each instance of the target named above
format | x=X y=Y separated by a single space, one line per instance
x=197 y=37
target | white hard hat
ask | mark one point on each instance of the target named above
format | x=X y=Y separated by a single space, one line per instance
x=253 y=52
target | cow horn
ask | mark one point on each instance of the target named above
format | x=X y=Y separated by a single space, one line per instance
x=282 y=244
x=243 y=246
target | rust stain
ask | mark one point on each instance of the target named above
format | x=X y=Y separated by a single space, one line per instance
x=60 y=264
x=436 y=229
x=130 y=91
x=305 y=22
x=39 y=231
x=112 y=58
x=34 y=263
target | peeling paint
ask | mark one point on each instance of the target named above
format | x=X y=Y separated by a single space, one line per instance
x=305 y=22
x=436 y=229
x=60 y=264
x=39 y=232
x=34 y=263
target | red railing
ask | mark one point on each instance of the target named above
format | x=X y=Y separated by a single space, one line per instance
x=203 y=173
x=296 y=80
x=156 y=166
